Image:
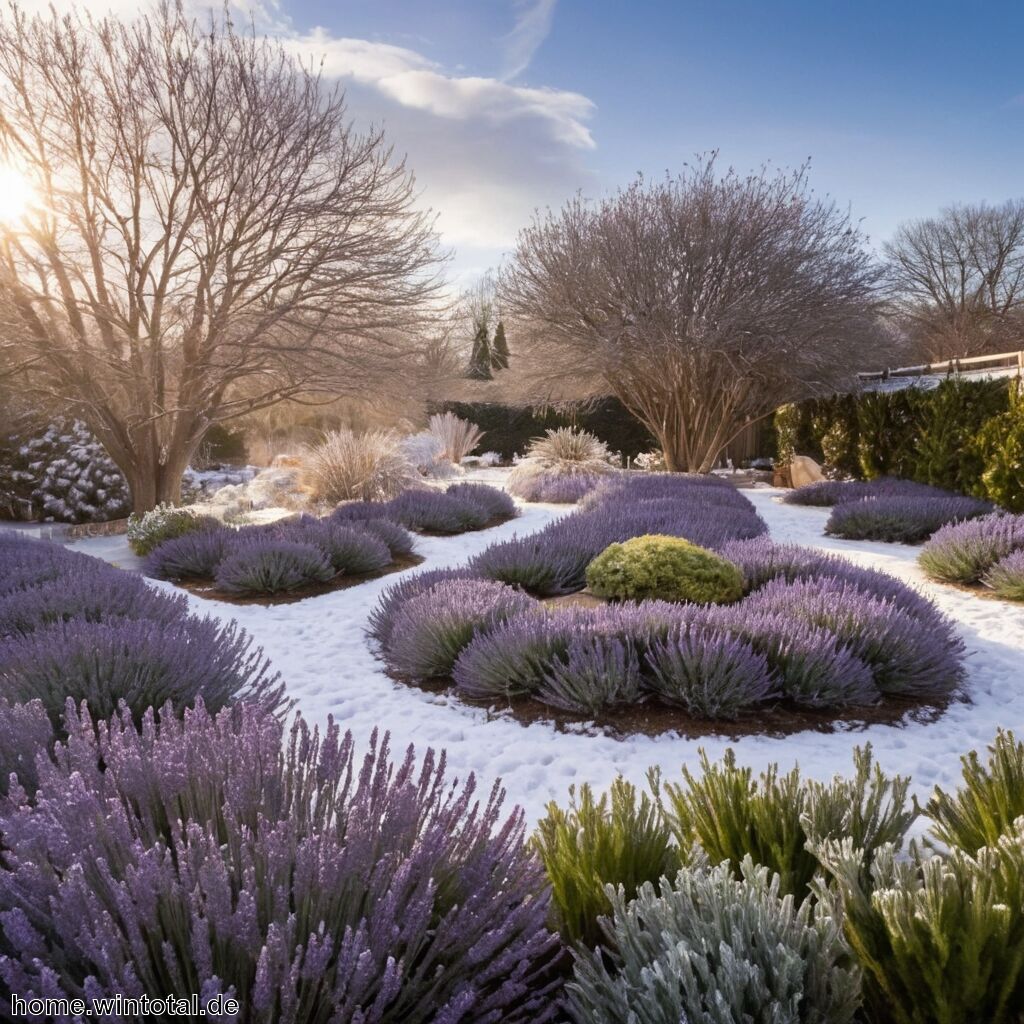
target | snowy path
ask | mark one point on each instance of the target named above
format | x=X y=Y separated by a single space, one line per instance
x=319 y=648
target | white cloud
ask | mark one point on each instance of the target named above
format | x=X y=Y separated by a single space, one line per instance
x=533 y=23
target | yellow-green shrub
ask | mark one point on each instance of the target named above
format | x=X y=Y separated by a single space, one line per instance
x=664 y=568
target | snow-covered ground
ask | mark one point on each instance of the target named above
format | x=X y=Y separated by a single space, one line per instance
x=319 y=648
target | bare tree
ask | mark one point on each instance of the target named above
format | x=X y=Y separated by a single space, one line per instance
x=210 y=233
x=703 y=302
x=958 y=280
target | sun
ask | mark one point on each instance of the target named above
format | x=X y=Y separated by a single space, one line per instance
x=16 y=194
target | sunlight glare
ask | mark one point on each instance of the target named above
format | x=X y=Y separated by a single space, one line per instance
x=16 y=194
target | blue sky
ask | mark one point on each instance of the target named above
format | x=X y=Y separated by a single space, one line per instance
x=506 y=105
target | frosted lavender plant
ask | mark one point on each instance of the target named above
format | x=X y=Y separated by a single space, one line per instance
x=710 y=673
x=25 y=733
x=598 y=672
x=431 y=629
x=839 y=492
x=268 y=564
x=964 y=552
x=1006 y=577
x=307 y=882
x=429 y=511
x=142 y=663
x=350 y=549
x=396 y=538
x=497 y=504
x=901 y=518
x=193 y=555
x=382 y=617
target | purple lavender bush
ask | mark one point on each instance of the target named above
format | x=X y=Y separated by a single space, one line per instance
x=382 y=617
x=557 y=487
x=597 y=673
x=219 y=856
x=546 y=564
x=907 y=655
x=964 y=552
x=350 y=549
x=397 y=539
x=901 y=519
x=710 y=673
x=93 y=593
x=360 y=511
x=144 y=664
x=26 y=563
x=25 y=734
x=838 y=492
x=194 y=555
x=271 y=565
x=429 y=511
x=432 y=628
x=497 y=504
x=1006 y=577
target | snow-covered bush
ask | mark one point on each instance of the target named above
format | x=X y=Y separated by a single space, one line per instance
x=458 y=437
x=146 y=530
x=651 y=462
x=619 y=839
x=1006 y=577
x=144 y=663
x=731 y=814
x=708 y=947
x=271 y=564
x=430 y=511
x=901 y=519
x=550 y=460
x=663 y=568
x=284 y=869
x=964 y=552
x=426 y=452
x=370 y=466
x=432 y=628
x=484 y=460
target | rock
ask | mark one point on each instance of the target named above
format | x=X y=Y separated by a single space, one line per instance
x=804 y=470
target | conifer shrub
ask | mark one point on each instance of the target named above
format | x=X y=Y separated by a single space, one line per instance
x=937 y=938
x=665 y=569
x=194 y=555
x=431 y=628
x=989 y=800
x=618 y=839
x=898 y=519
x=999 y=446
x=732 y=815
x=266 y=564
x=708 y=947
x=148 y=529
x=1006 y=577
x=221 y=855
x=145 y=664
x=964 y=552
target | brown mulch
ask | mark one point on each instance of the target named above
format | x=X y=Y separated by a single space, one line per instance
x=206 y=588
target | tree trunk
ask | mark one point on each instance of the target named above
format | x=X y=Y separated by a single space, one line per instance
x=153 y=481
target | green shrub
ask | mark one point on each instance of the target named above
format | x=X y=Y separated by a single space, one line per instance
x=148 y=529
x=713 y=949
x=620 y=839
x=795 y=433
x=664 y=568
x=887 y=429
x=999 y=444
x=838 y=432
x=990 y=798
x=940 y=940
x=730 y=815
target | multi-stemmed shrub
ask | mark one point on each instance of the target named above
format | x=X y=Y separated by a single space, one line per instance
x=269 y=564
x=148 y=529
x=430 y=511
x=90 y=594
x=989 y=801
x=431 y=629
x=1006 y=577
x=938 y=938
x=901 y=519
x=219 y=855
x=666 y=569
x=964 y=552
x=731 y=815
x=709 y=672
x=562 y=466
x=346 y=466
x=619 y=839
x=144 y=663
x=708 y=947
x=194 y=555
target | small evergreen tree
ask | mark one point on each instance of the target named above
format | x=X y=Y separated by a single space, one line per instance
x=499 y=348
x=480 y=359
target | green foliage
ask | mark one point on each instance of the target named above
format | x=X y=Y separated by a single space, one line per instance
x=794 y=432
x=148 y=529
x=999 y=446
x=887 y=430
x=836 y=425
x=713 y=949
x=620 y=839
x=664 y=568
x=732 y=815
x=499 y=348
x=989 y=800
x=940 y=940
